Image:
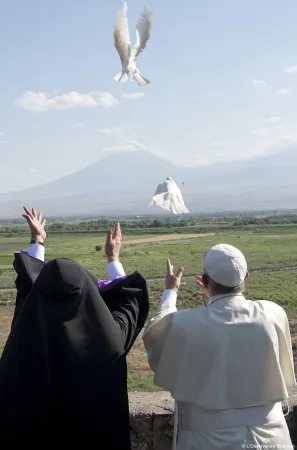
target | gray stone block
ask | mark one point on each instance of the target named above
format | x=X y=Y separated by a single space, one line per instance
x=151 y=419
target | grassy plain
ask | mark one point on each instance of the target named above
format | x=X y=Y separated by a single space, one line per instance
x=271 y=253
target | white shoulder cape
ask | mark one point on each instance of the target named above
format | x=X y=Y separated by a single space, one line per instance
x=234 y=353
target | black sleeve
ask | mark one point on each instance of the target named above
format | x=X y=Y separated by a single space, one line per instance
x=27 y=269
x=128 y=303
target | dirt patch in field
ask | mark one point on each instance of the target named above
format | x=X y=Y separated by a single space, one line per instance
x=137 y=358
x=169 y=237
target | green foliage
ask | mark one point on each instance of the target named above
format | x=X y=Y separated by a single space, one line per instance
x=160 y=224
x=269 y=244
x=141 y=382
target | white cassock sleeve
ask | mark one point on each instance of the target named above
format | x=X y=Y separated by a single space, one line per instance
x=115 y=270
x=36 y=251
x=158 y=328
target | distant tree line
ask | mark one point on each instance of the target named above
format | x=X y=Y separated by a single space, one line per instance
x=265 y=221
x=98 y=225
x=156 y=225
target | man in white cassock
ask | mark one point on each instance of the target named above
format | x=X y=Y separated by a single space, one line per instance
x=228 y=365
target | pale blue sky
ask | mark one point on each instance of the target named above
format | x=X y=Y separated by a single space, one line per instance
x=203 y=60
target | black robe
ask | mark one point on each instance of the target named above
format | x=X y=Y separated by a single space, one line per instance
x=63 y=371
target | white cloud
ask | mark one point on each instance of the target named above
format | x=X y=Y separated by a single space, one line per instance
x=105 y=99
x=33 y=170
x=4 y=142
x=44 y=101
x=118 y=148
x=260 y=132
x=291 y=70
x=228 y=142
x=1 y=133
x=106 y=131
x=132 y=95
x=78 y=125
x=120 y=134
x=111 y=131
x=134 y=145
x=272 y=119
x=283 y=91
x=139 y=146
x=259 y=82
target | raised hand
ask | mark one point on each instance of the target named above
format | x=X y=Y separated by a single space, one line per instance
x=172 y=281
x=113 y=244
x=36 y=224
x=200 y=284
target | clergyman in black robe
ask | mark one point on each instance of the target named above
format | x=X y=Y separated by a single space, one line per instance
x=63 y=371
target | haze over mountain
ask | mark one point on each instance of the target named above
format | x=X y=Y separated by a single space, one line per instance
x=124 y=184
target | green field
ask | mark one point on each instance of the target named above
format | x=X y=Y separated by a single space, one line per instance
x=271 y=255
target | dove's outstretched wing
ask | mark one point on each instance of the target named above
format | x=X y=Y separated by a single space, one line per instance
x=143 y=33
x=121 y=34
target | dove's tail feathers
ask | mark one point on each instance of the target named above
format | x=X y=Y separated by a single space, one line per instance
x=122 y=77
x=140 y=79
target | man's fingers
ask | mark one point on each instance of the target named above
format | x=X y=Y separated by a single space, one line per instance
x=180 y=272
x=34 y=212
x=118 y=228
x=27 y=211
x=28 y=218
x=109 y=236
x=169 y=267
x=43 y=223
x=201 y=294
x=117 y=232
x=39 y=217
x=199 y=281
x=114 y=231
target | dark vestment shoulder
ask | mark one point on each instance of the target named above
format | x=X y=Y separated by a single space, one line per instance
x=63 y=372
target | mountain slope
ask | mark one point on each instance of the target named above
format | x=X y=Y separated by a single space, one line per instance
x=125 y=183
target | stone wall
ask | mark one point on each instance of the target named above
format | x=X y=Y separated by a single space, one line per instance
x=151 y=420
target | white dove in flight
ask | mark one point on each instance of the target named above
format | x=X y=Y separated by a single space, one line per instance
x=128 y=55
x=168 y=196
